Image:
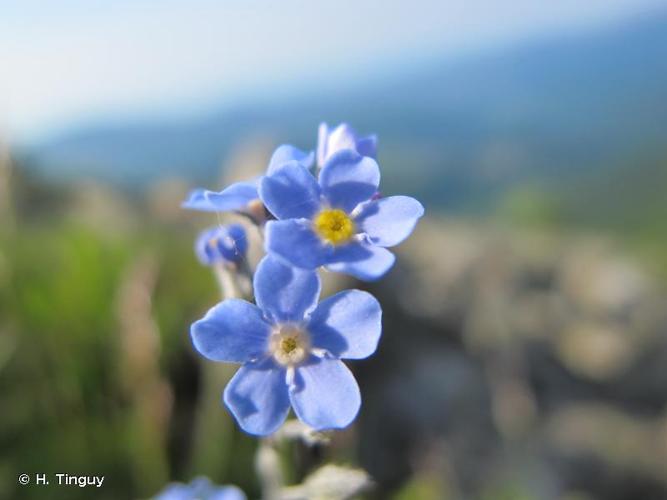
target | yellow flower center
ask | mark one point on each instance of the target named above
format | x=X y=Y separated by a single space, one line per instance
x=334 y=226
x=289 y=344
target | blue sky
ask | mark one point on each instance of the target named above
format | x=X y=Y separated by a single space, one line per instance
x=72 y=61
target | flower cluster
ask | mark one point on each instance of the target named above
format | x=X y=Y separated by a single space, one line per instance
x=321 y=210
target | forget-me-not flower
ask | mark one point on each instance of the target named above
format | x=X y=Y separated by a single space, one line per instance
x=242 y=197
x=290 y=347
x=330 y=141
x=221 y=244
x=336 y=222
x=200 y=488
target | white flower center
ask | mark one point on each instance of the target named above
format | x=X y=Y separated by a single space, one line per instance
x=289 y=344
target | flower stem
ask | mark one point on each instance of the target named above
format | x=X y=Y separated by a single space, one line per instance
x=267 y=466
x=229 y=286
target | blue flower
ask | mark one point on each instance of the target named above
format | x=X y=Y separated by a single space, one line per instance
x=336 y=222
x=290 y=347
x=200 y=488
x=221 y=244
x=343 y=136
x=242 y=197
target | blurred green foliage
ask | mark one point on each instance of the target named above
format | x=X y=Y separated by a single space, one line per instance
x=57 y=304
x=66 y=404
x=627 y=201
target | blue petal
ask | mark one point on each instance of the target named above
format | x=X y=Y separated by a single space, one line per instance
x=361 y=260
x=368 y=146
x=286 y=153
x=325 y=394
x=348 y=324
x=201 y=486
x=285 y=293
x=296 y=242
x=291 y=192
x=258 y=398
x=233 y=242
x=233 y=331
x=176 y=491
x=221 y=243
x=348 y=179
x=235 y=197
x=226 y=493
x=388 y=221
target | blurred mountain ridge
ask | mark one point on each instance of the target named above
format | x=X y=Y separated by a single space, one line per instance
x=459 y=134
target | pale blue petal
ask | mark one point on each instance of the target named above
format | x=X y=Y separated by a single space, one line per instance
x=348 y=179
x=206 y=246
x=233 y=331
x=295 y=242
x=235 y=197
x=348 y=324
x=388 y=221
x=287 y=153
x=362 y=260
x=285 y=293
x=325 y=394
x=330 y=141
x=322 y=143
x=291 y=192
x=198 y=200
x=258 y=398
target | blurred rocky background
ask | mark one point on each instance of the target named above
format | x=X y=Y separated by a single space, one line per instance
x=518 y=364
x=519 y=359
